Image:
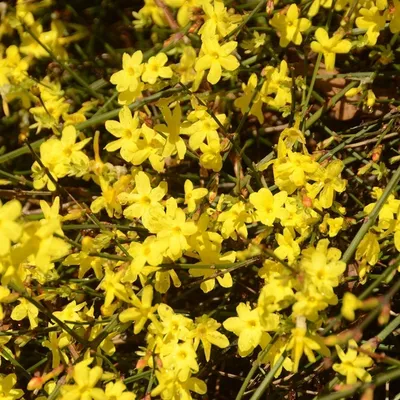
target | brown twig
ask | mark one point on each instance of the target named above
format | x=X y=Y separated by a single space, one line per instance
x=368 y=141
x=168 y=15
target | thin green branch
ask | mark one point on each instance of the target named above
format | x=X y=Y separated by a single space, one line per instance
x=268 y=379
x=371 y=218
x=245 y=20
x=64 y=65
x=378 y=380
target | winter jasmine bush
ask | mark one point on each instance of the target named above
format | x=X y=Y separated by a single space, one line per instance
x=207 y=206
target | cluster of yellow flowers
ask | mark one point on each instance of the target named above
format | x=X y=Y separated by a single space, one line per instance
x=156 y=228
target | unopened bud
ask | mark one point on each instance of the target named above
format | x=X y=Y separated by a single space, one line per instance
x=384 y=316
x=142 y=363
x=376 y=153
x=35 y=383
x=307 y=202
x=368 y=394
x=270 y=7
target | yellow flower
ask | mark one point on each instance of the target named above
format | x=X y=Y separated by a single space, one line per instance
x=149 y=252
x=329 y=47
x=172 y=228
x=85 y=381
x=173 y=327
x=170 y=387
x=353 y=366
x=10 y=230
x=234 y=221
x=216 y=58
x=56 y=345
x=181 y=357
x=155 y=68
x=77 y=161
x=313 y=11
x=192 y=196
x=269 y=207
x=113 y=287
x=243 y=102
x=371 y=98
x=309 y=302
x=186 y=65
x=395 y=17
x=350 y=304
x=373 y=21
x=290 y=26
x=322 y=266
x=84 y=260
x=247 y=326
x=211 y=157
x=279 y=83
x=117 y=391
x=150 y=9
x=70 y=313
x=172 y=130
x=302 y=342
x=129 y=77
x=218 y=21
x=206 y=333
x=203 y=126
x=293 y=171
x=141 y=310
x=127 y=131
x=210 y=257
x=26 y=309
x=7 y=391
x=288 y=246
x=143 y=199
x=328 y=181
x=368 y=249
x=109 y=196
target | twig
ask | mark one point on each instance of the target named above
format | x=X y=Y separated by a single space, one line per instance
x=389 y=136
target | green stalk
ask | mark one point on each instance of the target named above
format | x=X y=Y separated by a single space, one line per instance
x=388 y=329
x=19 y=179
x=317 y=115
x=371 y=218
x=9 y=356
x=49 y=314
x=64 y=65
x=310 y=90
x=208 y=266
x=378 y=380
x=245 y=20
x=255 y=366
x=95 y=120
x=137 y=377
x=268 y=379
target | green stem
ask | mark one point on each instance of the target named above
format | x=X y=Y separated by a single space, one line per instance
x=19 y=179
x=95 y=120
x=137 y=377
x=64 y=65
x=50 y=315
x=9 y=356
x=208 y=266
x=388 y=329
x=370 y=219
x=317 y=115
x=245 y=20
x=268 y=379
x=255 y=366
x=70 y=227
x=310 y=90
x=104 y=333
x=378 y=380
